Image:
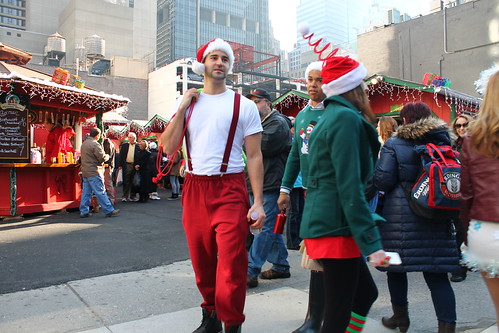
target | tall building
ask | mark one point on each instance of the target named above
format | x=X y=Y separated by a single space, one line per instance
x=127 y=26
x=185 y=25
x=13 y=14
x=336 y=21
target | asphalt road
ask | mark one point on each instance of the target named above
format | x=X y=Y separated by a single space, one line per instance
x=50 y=249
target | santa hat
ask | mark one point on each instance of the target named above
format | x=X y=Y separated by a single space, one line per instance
x=203 y=51
x=314 y=66
x=339 y=74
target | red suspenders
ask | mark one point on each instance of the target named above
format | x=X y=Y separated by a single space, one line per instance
x=230 y=138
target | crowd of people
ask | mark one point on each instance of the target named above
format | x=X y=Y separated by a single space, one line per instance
x=323 y=167
x=341 y=174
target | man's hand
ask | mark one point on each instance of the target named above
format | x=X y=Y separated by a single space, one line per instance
x=283 y=201
x=189 y=96
x=260 y=221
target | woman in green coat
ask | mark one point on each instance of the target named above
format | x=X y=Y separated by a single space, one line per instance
x=337 y=226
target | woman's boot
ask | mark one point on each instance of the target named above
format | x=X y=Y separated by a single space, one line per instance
x=445 y=327
x=315 y=312
x=399 y=319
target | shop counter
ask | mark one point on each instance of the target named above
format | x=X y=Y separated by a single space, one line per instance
x=34 y=188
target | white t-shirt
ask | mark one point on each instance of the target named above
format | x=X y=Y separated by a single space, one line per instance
x=209 y=129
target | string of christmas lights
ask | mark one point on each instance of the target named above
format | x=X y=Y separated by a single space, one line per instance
x=66 y=96
x=395 y=92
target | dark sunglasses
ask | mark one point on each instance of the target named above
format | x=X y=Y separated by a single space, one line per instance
x=462 y=125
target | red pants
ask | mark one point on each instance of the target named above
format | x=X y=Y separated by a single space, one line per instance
x=215 y=223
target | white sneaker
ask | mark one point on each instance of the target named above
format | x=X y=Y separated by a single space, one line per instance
x=155 y=197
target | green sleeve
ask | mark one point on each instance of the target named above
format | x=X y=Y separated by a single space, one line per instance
x=292 y=165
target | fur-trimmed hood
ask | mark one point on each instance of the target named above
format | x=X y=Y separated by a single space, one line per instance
x=422 y=130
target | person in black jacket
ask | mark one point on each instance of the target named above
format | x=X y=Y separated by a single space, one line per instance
x=128 y=155
x=142 y=166
x=275 y=146
x=424 y=245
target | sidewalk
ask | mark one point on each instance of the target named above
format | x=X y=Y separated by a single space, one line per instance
x=165 y=299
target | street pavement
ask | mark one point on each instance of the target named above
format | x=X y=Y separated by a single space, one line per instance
x=164 y=298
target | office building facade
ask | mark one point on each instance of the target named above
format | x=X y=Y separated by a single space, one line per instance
x=127 y=26
x=185 y=25
x=336 y=21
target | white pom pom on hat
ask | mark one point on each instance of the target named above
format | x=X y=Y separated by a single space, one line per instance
x=304 y=28
x=216 y=44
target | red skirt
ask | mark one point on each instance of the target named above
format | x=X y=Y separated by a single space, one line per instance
x=339 y=247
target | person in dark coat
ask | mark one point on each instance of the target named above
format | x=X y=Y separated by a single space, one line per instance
x=142 y=167
x=128 y=156
x=153 y=148
x=424 y=245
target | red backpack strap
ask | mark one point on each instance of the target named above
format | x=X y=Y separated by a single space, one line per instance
x=232 y=133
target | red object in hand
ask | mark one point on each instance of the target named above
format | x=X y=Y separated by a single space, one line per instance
x=279 y=223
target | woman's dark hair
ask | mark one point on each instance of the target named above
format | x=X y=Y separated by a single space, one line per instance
x=412 y=112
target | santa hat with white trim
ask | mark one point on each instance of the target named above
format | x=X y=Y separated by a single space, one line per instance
x=339 y=74
x=314 y=66
x=204 y=50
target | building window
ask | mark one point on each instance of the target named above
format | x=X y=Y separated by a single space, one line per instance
x=205 y=14
x=250 y=26
x=9 y=33
x=236 y=22
x=221 y=19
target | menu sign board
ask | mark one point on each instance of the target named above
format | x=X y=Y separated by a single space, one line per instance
x=14 y=142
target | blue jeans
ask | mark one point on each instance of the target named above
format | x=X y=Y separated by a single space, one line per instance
x=441 y=291
x=94 y=185
x=175 y=184
x=268 y=246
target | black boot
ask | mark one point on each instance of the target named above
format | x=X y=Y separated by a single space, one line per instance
x=315 y=312
x=399 y=319
x=210 y=323
x=233 y=328
x=461 y=276
x=445 y=327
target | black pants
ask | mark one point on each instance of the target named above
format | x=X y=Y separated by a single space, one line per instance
x=348 y=287
x=442 y=294
x=128 y=173
x=295 y=212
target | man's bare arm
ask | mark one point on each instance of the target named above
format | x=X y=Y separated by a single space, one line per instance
x=173 y=132
x=254 y=162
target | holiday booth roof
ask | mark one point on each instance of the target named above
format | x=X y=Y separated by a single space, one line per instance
x=391 y=87
x=109 y=118
x=43 y=91
x=291 y=102
x=140 y=127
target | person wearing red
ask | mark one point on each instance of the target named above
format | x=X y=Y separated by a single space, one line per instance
x=480 y=192
x=57 y=140
x=216 y=210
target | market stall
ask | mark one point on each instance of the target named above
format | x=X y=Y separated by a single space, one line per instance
x=27 y=99
x=388 y=95
x=291 y=102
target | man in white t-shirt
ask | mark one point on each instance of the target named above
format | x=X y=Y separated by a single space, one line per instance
x=216 y=210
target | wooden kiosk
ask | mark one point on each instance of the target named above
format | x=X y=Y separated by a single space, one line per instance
x=27 y=98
